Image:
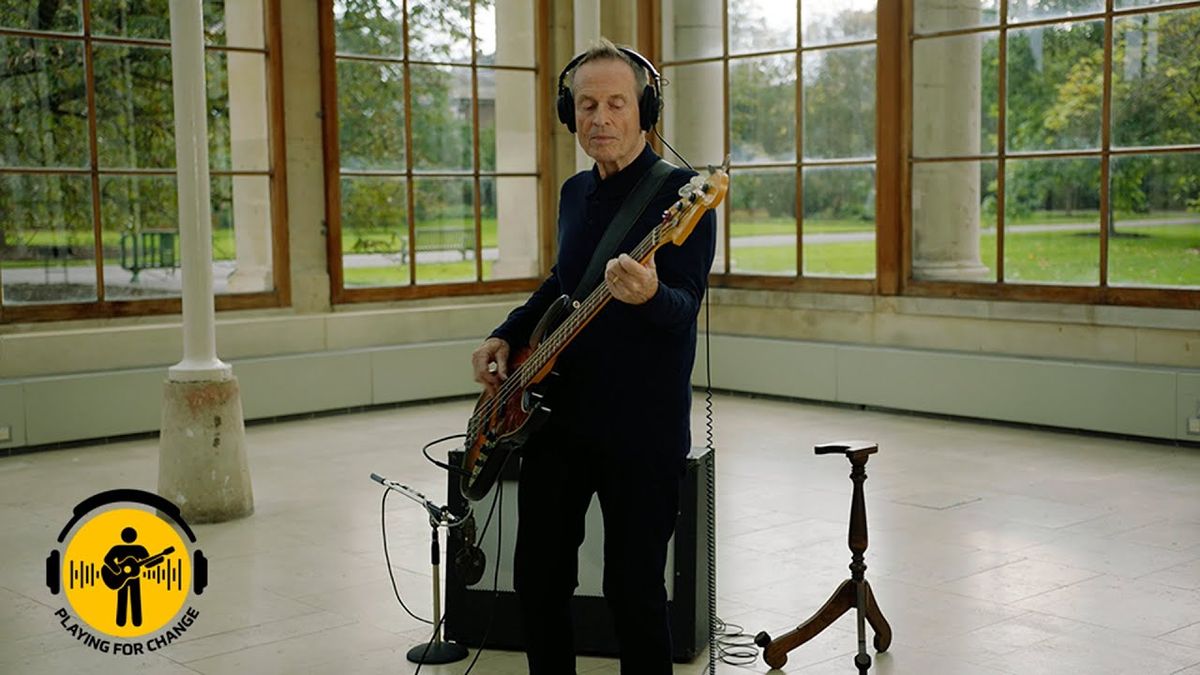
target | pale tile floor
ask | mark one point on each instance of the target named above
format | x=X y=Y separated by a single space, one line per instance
x=994 y=549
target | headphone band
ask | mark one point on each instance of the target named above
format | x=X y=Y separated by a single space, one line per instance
x=127 y=495
x=652 y=76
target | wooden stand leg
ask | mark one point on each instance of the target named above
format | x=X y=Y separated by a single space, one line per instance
x=848 y=594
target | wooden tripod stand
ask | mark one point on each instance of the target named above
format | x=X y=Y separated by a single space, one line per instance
x=853 y=593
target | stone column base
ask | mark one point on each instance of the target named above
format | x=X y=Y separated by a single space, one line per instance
x=954 y=270
x=202 y=451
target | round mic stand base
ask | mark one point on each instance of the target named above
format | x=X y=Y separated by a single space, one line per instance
x=437 y=652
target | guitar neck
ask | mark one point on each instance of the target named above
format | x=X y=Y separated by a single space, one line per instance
x=554 y=343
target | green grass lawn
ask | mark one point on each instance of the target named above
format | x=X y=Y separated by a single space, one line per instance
x=1155 y=256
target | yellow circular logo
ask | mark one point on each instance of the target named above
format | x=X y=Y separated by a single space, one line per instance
x=126 y=572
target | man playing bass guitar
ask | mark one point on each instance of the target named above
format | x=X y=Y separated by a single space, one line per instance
x=621 y=401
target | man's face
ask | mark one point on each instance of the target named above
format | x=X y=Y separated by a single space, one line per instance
x=606 y=113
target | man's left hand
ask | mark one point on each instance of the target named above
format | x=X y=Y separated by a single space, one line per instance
x=630 y=281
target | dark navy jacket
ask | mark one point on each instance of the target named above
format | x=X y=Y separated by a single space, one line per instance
x=626 y=379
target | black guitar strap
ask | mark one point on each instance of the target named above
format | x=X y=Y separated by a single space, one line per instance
x=630 y=212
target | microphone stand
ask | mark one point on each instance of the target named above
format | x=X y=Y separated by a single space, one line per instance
x=437 y=650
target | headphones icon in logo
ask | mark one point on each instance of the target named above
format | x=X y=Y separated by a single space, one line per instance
x=54 y=561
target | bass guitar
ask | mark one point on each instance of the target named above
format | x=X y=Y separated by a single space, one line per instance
x=502 y=423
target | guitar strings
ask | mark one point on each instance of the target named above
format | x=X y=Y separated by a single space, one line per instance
x=592 y=304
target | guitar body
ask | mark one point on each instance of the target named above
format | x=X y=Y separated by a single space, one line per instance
x=505 y=424
x=130 y=568
x=127 y=569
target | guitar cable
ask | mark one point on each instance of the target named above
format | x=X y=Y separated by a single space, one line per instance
x=726 y=641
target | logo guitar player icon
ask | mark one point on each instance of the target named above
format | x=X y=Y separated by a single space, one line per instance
x=122 y=571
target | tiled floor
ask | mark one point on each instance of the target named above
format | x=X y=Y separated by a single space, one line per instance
x=993 y=549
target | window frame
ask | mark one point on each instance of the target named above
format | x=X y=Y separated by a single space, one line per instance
x=885 y=170
x=894 y=163
x=329 y=57
x=276 y=173
x=1100 y=294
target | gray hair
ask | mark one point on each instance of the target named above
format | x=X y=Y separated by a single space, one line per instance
x=605 y=50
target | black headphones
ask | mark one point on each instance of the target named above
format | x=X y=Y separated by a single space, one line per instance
x=199 y=562
x=649 y=103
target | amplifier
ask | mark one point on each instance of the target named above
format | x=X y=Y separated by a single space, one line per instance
x=469 y=608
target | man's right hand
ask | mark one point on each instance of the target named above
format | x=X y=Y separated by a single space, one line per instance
x=490 y=362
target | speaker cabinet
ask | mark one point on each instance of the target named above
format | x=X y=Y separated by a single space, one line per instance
x=470 y=608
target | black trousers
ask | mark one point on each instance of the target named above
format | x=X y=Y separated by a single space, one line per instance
x=639 y=505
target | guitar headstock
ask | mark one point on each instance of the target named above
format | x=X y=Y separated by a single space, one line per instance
x=696 y=196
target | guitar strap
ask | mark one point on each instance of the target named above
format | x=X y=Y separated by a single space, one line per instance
x=630 y=212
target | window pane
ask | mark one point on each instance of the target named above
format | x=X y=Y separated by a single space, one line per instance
x=839 y=103
x=46 y=246
x=508 y=40
x=1156 y=93
x=839 y=221
x=135 y=107
x=145 y=19
x=954 y=221
x=1055 y=86
x=507 y=121
x=1052 y=221
x=762 y=227
x=237 y=105
x=1032 y=10
x=43 y=103
x=370 y=27
x=955 y=95
x=761 y=26
x=139 y=218
x=439 y=30
x=370 y=115
x=1155 y=238
x=236 y=23
x=61 y=17
x=441 y=125
x=931 y=16
x=510 y=228
x=693 y=112
x=241 y=234
x=445 y=229
x=762 y=109
x=828 y=21
x=691 y=30
x=374 y=231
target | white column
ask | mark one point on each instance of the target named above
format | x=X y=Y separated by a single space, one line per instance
x=247 y=80
x=587 y=32
x=694 y=102
x=201 y=455
x=947 y=100
x=200 y=360
x=516 y=145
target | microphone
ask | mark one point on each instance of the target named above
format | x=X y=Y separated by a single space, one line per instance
x=436 y=513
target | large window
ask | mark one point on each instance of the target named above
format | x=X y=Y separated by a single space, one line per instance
x=433 y=153
x=88 y=208
x=788 y=91
x=1055 y=150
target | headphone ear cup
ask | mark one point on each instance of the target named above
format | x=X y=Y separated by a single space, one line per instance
x=199 y=572
x=53 y=565
x=648 y=107
x=470 y=563
x=566 y=108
